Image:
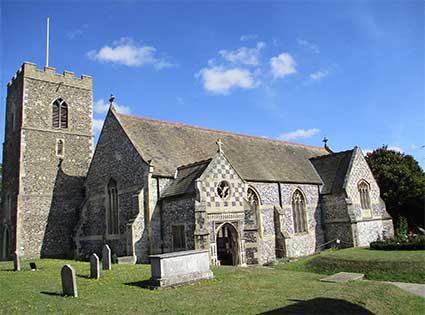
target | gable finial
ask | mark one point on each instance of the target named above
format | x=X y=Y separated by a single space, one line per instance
x=219 y=144
x=325 y=141
x=325 y=144
x=111 y=99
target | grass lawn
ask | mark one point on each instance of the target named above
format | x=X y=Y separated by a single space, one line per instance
x=404 y=266
x=235 y=290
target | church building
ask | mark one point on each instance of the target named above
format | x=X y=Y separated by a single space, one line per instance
x=153 y=186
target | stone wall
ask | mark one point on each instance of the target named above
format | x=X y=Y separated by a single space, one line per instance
x=369 y=225
x=178 y=211
x=115 y=157
x=369 y=231
x=305 y=243
x=291 y=244
x=11 y=165
x=359 y=170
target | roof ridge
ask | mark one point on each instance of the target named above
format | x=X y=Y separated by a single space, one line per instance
x=223 y=131
x=194 y=164
x=330 y=154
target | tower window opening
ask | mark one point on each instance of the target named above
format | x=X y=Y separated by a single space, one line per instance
x=60 y=114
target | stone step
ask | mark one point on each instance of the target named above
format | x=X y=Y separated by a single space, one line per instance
x=343 y=277
x=127 y=260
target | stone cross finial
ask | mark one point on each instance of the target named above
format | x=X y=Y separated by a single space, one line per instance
x=219 y=144
x=325 y=141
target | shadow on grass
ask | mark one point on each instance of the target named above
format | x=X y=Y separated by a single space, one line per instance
x=52 y=293
x=144 y=284
x=83 y=276
x=320 y=306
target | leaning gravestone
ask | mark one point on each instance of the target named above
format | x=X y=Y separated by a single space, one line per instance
x=94 y=267
x=69 y=281
x=16 y=262
x=106 y=258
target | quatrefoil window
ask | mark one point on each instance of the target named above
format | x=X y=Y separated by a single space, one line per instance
x=223 y=190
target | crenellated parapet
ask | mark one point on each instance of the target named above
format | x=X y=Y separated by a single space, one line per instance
x=49 y=74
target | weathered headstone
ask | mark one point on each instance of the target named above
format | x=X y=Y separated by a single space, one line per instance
x=94 y=267
x=106 y=258
x=16 y=262
x=33 y=266
x=69 y=281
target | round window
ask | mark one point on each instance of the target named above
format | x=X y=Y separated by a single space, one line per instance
x=223 y=190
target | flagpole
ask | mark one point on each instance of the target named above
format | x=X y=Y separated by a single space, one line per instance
x=47 y=43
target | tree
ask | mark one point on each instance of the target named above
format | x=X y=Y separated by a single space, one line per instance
x=402 y=184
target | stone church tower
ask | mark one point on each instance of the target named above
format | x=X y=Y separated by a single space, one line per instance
x=46 y=155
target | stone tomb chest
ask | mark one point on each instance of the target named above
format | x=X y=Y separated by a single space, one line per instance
x=178 y=268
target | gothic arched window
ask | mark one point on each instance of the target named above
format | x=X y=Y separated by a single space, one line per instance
x=59 y=114
x=251 y=214
x=298 y=210
x=112 y=208
x=364 y=195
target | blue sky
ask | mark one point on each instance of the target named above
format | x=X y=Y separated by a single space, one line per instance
x=291 y=70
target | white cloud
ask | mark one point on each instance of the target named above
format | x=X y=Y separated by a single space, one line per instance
x=366 y=151
x=97 y=125
x=102 y=107
x=125 y=51
x=309 y=45
x=299 y=134
x=248 y=37
x=219 y=80
x=318 y=75
x=282 y=65
x=243 y=55
x=77 y=32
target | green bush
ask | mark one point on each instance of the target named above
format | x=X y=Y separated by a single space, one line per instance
x=413 y=243
x=401 y=230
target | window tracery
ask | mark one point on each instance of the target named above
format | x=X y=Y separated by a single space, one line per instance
x=298 y=209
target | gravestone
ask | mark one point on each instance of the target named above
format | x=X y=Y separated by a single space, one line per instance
x=106 y=258
x=69 y=281
x=33 y=266
x=94 y=267
x=16 y=262
x=343 y=277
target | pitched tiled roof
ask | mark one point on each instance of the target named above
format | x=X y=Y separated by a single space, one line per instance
x=333 y=168
x=170 y=145
x=185 y=180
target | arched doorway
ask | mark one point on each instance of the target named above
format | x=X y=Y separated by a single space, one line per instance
x=6 y=242
x=227 y=245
